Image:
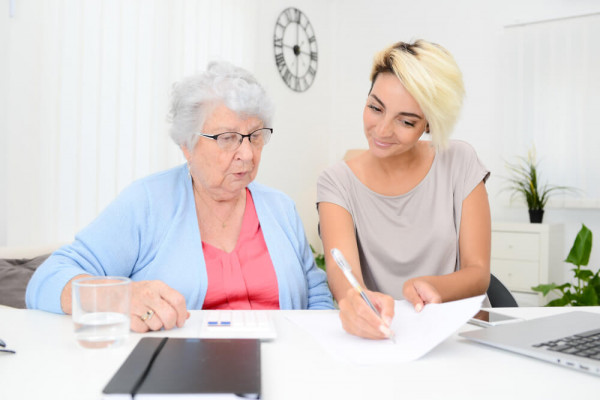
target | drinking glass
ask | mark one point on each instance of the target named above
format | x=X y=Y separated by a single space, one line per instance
x=101 y=310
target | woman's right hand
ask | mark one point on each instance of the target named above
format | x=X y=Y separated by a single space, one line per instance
x=360 y=320
x=155 y=305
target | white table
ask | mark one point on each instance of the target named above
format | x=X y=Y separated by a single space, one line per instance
x=50 y=365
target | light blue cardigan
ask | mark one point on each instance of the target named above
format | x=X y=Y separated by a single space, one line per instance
x=150 y=231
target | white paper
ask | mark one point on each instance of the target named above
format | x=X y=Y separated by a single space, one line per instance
x=416 y=333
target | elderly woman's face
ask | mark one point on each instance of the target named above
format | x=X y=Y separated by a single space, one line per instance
x=224 y=173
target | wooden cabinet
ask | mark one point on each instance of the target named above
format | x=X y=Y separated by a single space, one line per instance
x=525 y=255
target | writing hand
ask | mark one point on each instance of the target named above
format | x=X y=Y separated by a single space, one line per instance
x=359 y=319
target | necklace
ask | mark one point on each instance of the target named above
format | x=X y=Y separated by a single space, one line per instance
x=222 y=221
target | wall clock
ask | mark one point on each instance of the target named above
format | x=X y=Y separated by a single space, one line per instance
x=295 y=47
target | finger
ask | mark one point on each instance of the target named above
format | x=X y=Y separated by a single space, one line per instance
x=159 y=298
x=420 y=293
x=177 y=302
x=144 y=300
x=164 y=314
x=410 y=294
x=153 y=321
x=427 y=292
x=385 y=311
x=385 y=305
x=137 y=325
x=360 y=328
x=359 y=319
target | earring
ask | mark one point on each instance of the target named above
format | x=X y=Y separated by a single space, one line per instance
x=189 y=172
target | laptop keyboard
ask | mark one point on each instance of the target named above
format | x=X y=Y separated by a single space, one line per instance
x=585 y=344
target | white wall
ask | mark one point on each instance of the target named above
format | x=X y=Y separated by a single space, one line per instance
x=89 y=85
x=313 y=129
x=474 y=32
x=298 y=150
x=4 y=40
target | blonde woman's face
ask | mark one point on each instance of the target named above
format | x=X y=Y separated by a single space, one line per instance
x=393 y=121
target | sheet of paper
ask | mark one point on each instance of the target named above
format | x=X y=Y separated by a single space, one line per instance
x=416 y=333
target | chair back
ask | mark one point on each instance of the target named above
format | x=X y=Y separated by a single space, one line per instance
x=499 y=295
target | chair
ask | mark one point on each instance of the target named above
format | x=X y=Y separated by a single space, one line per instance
x=17 y=264
x=499 y=295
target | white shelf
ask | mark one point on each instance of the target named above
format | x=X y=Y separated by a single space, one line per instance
x=526 y=255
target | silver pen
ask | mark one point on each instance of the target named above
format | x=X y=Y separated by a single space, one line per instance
x=347 y=270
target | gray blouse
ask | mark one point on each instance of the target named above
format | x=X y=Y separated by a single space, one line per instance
x=413 y=234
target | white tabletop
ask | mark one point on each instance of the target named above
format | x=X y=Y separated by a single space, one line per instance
x=50 y=365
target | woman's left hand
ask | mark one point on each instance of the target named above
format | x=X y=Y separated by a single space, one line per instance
x=155 y=305
x=420 y=292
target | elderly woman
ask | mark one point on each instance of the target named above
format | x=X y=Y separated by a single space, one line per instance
x=202 y=235
x=411 y=216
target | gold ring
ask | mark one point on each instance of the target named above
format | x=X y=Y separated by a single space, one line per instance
x=147 y=316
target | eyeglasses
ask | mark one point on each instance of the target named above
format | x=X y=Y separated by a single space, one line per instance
x=230 y=141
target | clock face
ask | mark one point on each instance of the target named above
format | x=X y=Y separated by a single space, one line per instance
x=295 y=48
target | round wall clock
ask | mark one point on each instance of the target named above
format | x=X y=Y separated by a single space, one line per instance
x=295 y=48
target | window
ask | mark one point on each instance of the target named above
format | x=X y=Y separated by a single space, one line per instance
x=551 y=75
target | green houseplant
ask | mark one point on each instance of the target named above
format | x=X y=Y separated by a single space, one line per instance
x=319 y=258
x=524 y=182
x=587 y=290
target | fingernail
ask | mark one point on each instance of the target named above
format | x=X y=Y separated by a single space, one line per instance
x=387 y=320
x=419 y=307
x=385 y=330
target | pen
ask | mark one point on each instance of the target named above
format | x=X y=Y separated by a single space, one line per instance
x=345 y=267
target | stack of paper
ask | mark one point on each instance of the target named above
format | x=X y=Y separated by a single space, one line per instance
x=416 y=333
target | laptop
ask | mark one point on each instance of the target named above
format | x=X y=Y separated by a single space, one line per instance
x=571 y=339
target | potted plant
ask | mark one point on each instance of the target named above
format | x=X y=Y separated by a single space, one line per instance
x=587 y=290
x=319 y=258
x=524 y=181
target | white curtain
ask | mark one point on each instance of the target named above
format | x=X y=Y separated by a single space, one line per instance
x=88 y=87
x=551 y=81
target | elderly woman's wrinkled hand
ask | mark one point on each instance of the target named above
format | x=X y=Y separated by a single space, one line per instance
x=360 y=320
x=155 y=305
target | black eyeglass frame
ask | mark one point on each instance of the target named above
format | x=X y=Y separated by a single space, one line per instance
x=242 y=137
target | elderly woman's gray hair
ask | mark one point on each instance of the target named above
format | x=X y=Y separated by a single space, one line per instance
x=195 y=97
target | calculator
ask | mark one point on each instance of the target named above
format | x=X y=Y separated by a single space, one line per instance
x=237 y=324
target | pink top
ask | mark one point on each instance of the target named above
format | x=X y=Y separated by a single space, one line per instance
x=245 y=278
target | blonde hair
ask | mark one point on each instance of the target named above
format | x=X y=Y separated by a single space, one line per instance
x=430 y=74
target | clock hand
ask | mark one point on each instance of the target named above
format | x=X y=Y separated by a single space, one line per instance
x=297 y=39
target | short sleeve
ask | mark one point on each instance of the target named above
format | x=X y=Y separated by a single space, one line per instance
x=330 y=187
x=471 y=171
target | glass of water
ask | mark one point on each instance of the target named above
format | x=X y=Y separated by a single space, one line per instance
x=101 y=310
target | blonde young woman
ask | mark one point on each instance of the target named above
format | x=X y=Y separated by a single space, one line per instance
x=411 y=216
